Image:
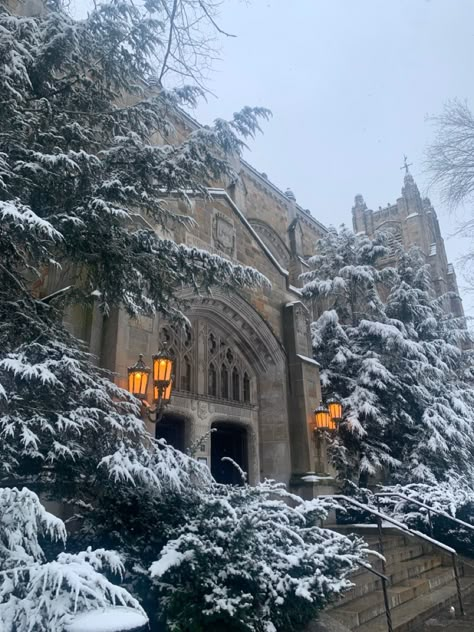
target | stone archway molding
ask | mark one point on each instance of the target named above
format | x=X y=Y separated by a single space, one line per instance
x=230 y=311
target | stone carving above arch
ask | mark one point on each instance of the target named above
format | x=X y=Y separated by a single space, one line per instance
x=272 y=241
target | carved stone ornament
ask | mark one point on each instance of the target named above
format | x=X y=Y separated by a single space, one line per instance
x=224 y=234
x=202 y=410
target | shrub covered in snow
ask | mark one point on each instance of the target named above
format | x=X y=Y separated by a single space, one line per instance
x=252 y=559
x=214 y=556
x=454 y=496
x=41 y=595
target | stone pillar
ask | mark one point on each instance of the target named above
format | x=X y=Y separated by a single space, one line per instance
x=304 y=387
x=308 y=457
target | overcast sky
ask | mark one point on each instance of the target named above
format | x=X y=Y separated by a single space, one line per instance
x=351 y=84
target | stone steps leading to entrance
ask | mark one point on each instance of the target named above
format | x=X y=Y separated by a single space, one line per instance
x=421 y=582
x=409 y=617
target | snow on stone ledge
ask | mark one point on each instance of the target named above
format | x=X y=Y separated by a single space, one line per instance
x=314 y=478
x=113 y=619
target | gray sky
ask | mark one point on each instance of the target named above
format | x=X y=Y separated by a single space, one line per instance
x=350 y=84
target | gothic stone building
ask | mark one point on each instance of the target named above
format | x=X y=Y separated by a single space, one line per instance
x=244 y=367
x=412 y=221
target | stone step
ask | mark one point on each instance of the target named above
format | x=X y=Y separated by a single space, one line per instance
x=410 y=569
x=409 y=616
x=396 y=573
x=367 y=582
x=359 y=611
x=392 y=556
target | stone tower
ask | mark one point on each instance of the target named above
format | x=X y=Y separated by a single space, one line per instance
x=412 y=221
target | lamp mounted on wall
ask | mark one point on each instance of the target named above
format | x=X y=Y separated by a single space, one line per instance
x=327 y=417
x=138 y=376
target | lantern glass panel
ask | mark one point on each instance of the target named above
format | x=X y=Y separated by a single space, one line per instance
x=321 y=418
x=335 y=409
x=138 y=381
x=165 y=393
x=162 y=368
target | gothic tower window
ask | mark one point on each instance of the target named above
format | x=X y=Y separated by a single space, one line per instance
x=235 y=384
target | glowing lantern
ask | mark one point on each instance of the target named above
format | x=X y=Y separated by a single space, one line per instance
x=162 y=377
x=335 y=412
x=138 y=375
x=322 y=419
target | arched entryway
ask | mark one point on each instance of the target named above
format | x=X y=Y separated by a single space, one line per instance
x=172 y=429
x=228 y=440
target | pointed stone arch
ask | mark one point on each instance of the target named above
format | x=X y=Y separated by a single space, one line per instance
x=262 y=383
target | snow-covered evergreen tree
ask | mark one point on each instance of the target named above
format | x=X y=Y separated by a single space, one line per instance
x=441 y=439
x=89 y=159
x=397 y=363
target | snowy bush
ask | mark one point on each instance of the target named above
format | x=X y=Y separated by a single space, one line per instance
x=209 y=556
x=252 y=559
x=39 y=595
x=453 y=496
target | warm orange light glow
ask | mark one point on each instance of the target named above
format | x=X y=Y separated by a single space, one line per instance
x=322 y=419
x=162 y=368
x=165 y=393
x=335 y=409
x=138 y=375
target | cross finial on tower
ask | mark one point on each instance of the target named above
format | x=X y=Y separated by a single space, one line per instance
x=406 y=164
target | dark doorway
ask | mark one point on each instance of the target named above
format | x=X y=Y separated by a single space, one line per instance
x=231 y=441
x=171 y=428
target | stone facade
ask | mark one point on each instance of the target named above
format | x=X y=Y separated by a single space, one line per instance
x=246 y=363
x=412 y=221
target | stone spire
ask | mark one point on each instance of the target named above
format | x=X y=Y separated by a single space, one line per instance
x=410 y=189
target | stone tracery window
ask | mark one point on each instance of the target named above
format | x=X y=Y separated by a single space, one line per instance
x=222 y=373
x=180 y=345
x=212 y=380
x=235 y=384
x=232 y=380
x=246 y=387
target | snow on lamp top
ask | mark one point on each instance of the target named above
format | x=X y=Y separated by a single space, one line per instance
x=112 y=619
